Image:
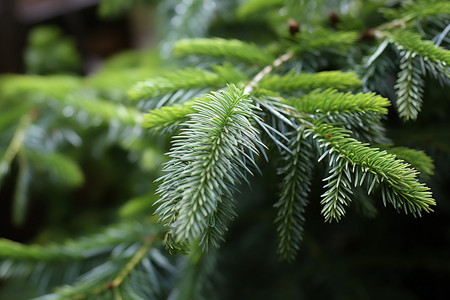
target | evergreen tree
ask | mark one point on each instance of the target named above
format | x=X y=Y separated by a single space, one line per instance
x=263 y=108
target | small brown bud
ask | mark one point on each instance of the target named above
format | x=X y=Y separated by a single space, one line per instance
x=368 y=34
x=294 y=27
x=334 y=19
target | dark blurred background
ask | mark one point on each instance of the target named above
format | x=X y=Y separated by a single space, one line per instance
x=96 y=38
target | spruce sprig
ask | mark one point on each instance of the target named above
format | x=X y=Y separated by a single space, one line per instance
x=189 y=78
x=328 y=101
x=397 y=179
x=409 y=87
x=217 y=47
x=292 y=82
x=413 y=42
x=208 y=159
x=296 y=171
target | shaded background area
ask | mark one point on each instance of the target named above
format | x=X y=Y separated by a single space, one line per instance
x=96 y=37
x=392 y=256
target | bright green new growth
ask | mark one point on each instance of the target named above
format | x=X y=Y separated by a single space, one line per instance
x=417 y=158
x=330 y=101
x=324 y=39
x=208 y=159
x=409 y=87
x=185 y=79
x=418 y=10
x=355 y=163
x=166 y=116
x=410 y=83
x=414 y=43
x=255 y=7
x=293 y=82
x=222 y=48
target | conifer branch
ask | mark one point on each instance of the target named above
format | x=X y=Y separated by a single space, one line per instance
x=292 y=82
x=15 y=145
x=209 y=158
x=254 y=7
x=338 y=190
x=322 y=39
x=418 y=10
x=330 y=101
x=37 y=88
x=102 y=109
x=397 y=179
x=413 y=42
x=20 y=200
x=107 y=279
x=128 y=268
x=218 y=47
x=185 y=79
x=199 y=270
x=417 y=158
x=409 y=87
x=60 y=167
x=295 y=187
x=167 y=116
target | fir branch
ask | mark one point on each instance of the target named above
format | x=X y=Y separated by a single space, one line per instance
x=330 y=101
x=10 y=114
x=413 y=42
x=229 y=49
x=79 y=249
x=37 y=88
x=409 y=87
x=60 y=167
x=15 y=145
x=437 y=70
x=55 y=264
x=208 y=159
x=292 y=82
x=255 y=7
x=338 y=190
x=198 y=271
x=185 y=79
x=20 y=201
x=322 y=39
x=417 y=158
x=365 y=126
x=361 y=113
x=103 y=110
x=400 y=186
x=418 y=10
x=117 y=278
x=194 y=22
x=295 y=187
x=167 y=116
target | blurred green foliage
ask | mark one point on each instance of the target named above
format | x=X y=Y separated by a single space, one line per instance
x=49 y=51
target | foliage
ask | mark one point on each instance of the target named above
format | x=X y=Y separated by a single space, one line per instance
x=50 y=52
x=253 y=123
